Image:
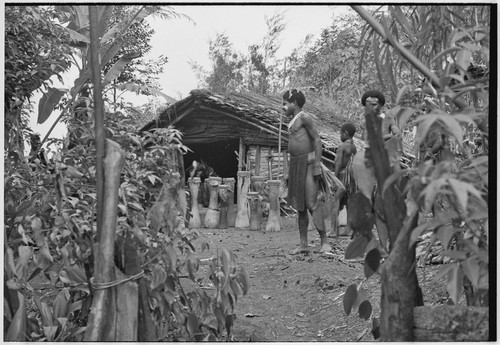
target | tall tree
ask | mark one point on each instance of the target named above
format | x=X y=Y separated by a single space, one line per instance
x=264 y=70
x=226 y=70
x=332 y=65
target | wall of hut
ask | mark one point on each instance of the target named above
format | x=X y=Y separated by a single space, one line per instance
x=267 y=164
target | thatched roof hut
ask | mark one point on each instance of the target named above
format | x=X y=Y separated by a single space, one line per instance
x=215 y=126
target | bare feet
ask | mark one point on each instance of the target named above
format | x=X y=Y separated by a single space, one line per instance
x=325 y=248
x=299 y=250
x=331 y=234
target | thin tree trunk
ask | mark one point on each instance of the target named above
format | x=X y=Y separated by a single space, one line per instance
x=102 y=321
x=399 y=279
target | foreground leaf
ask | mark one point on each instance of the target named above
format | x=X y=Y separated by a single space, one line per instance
x=372 y=262
x=471 y=269
x=47 y=103
x=365 y=310
x=356 y=249
x=17 y=328
x=350 y=296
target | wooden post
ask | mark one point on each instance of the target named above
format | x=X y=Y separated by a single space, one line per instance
x=231 y=206
x=223 y=197
x=258 y=186
x=230 y=182
x=273 y=221
x=279 y=146
x=257 y=160
x=242 y=218
x=285 y=162
x=205 y=193
x=213 y=213
x=194 y=187
x=258 y=183
x=270 y=163
x=241 y=154
x=254 y=201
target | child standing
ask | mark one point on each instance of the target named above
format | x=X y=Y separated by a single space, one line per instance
x=343 y=170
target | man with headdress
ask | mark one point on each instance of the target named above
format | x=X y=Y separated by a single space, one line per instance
x=305 y=173
x=373 y=101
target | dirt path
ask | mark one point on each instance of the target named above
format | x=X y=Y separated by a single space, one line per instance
x=293 y=298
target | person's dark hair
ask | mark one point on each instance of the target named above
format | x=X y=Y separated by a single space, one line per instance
x=349 y=128
x=373 y=93
x=296 y=96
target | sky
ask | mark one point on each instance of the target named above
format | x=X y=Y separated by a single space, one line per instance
x=183 y=40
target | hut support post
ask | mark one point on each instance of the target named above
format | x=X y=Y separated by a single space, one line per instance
x=257 y=161
x=241 y=158
x=194 y=187
x=242 y=218
x=254 y=201
x=223 y=197
x=273 y=221
x=213 y=213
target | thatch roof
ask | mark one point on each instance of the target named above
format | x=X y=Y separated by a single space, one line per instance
x=204 y=116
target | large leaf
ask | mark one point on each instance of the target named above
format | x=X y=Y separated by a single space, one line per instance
x=365 y=177
x=445 y=234
x=25 y=254
x=226 y=263
x=17 y=327
x=61 y=304
x=372 y=262
x=192 y=324
x=244 y=280
x=77 y=37
x=365 y=310
x=471 y=269
x=158 y=278
x=360 y=217
x=350 y=297
x=356 y=248
x=452 y=126
x=104 y=13
x=48 y=103
x=462 y=190
x=117 y=69
x=132 y=87
x=84 y=77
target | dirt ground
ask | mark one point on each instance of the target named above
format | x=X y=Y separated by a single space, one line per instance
x=299 y=298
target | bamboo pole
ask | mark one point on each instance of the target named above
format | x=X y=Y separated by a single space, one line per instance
x=279 y=145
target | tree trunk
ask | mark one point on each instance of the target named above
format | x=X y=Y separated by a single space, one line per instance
x=399 y=279
x=102 y=321
x=400 y=291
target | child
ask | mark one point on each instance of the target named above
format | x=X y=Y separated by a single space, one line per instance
x=343 y=170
